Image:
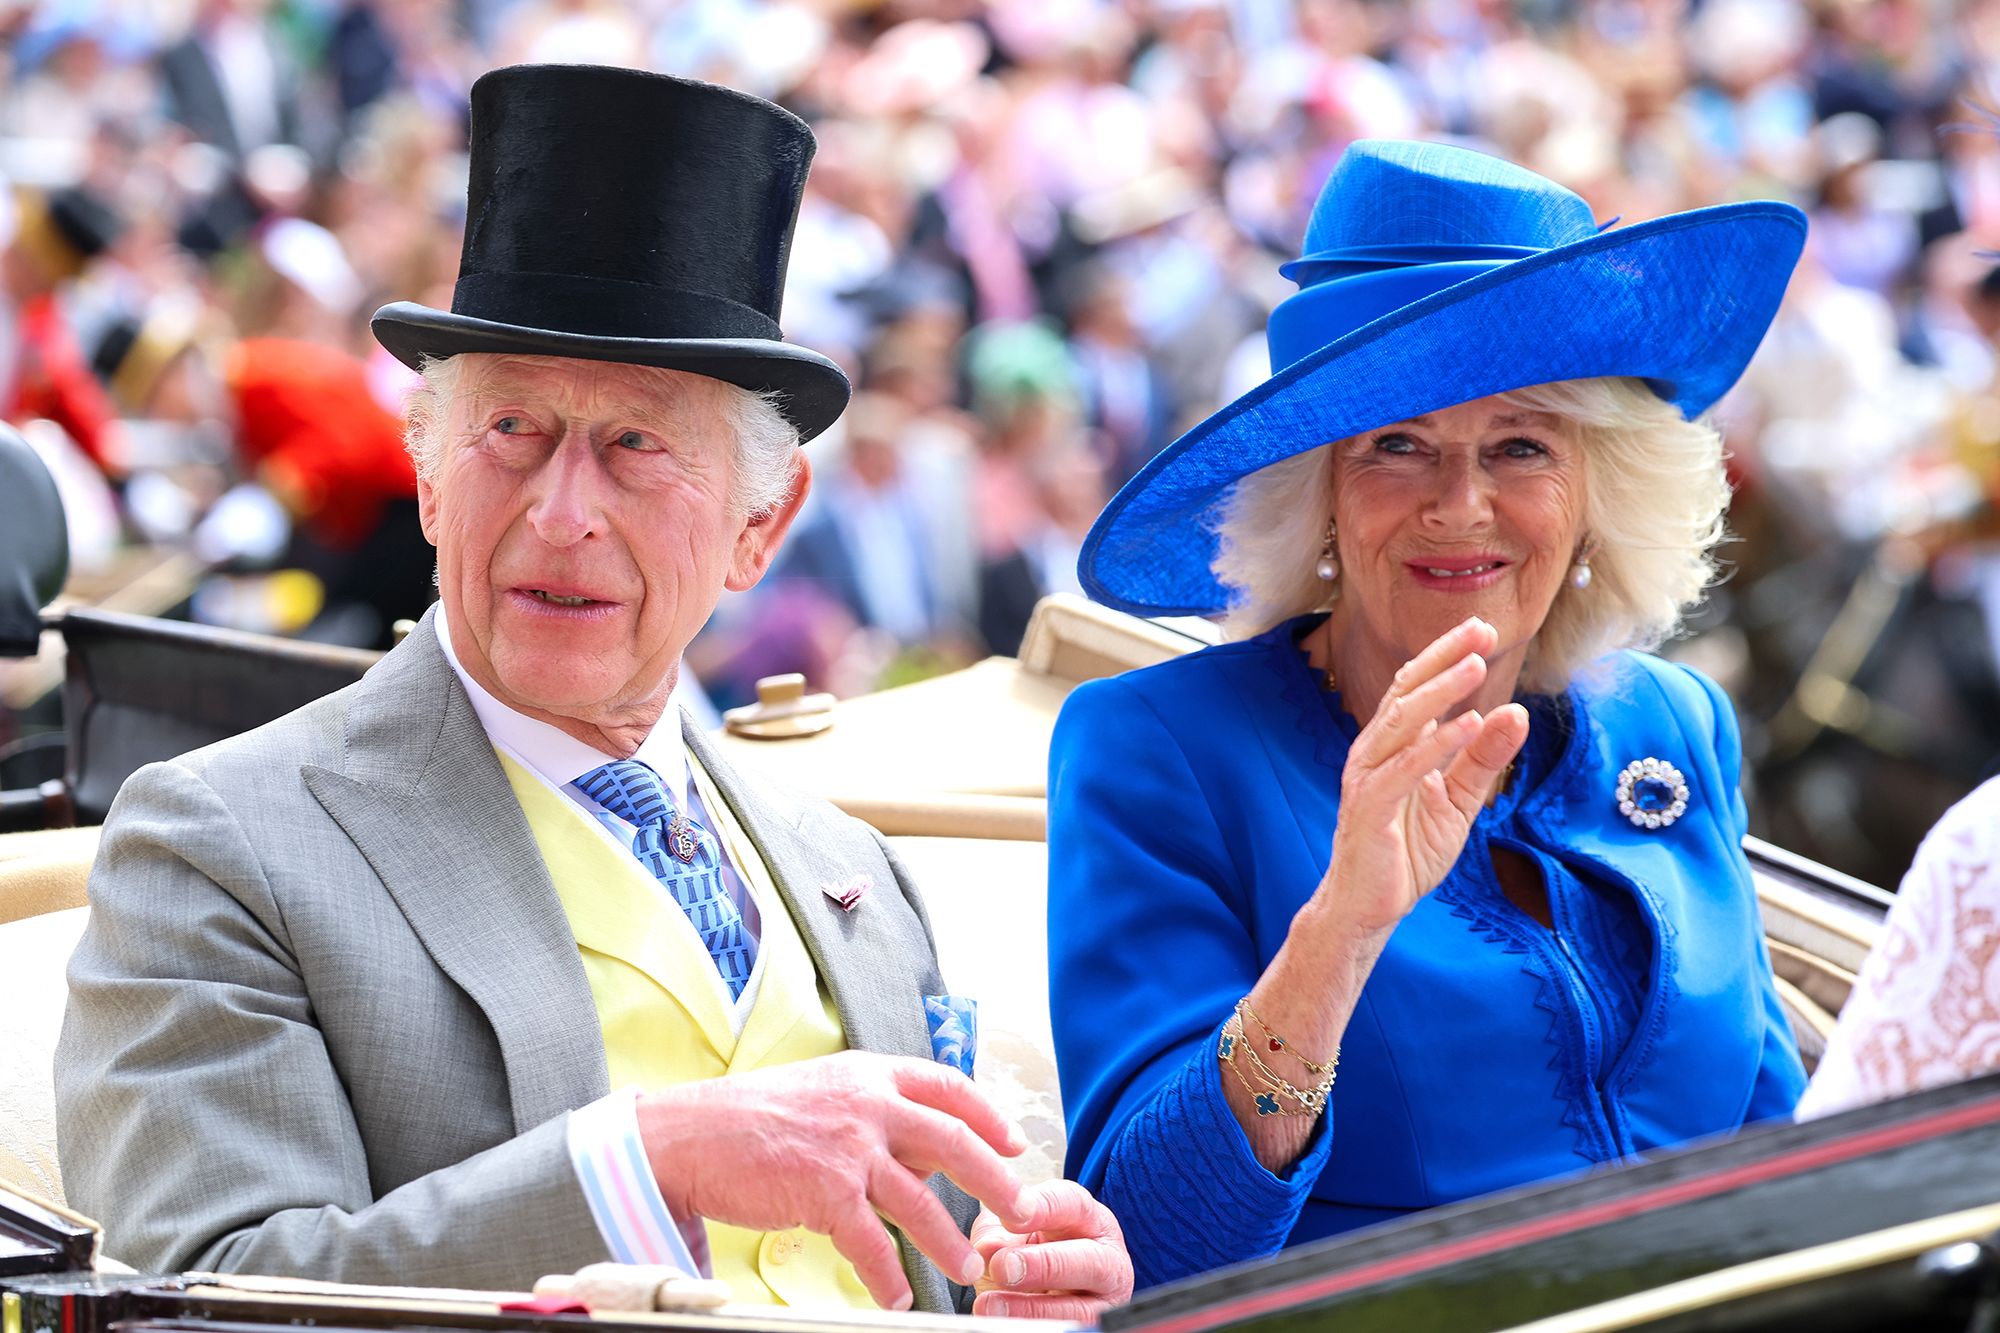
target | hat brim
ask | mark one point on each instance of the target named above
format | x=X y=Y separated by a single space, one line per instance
x=813 y=390
x=1681 y=302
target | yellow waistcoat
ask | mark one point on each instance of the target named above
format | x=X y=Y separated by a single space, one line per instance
x=665 y=1012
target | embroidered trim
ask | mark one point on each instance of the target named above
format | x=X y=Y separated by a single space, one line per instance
x=1547 y=814
x=1514 y=934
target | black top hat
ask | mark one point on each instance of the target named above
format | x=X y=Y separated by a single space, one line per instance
x=86 y=222
x=615 y=215
x=65 y=229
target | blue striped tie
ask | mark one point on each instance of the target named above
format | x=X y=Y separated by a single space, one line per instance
x=682 y=855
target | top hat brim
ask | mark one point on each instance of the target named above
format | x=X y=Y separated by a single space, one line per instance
x=1681 y=302
x=812 y=390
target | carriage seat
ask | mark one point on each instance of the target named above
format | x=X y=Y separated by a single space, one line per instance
x=35 y=949
x=44 y=871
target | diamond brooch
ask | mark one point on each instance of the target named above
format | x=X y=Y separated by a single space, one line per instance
x=1652 y=793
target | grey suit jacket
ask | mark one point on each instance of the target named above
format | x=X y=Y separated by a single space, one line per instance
x=328 y=1015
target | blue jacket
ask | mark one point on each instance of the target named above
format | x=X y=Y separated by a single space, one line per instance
x=1191 y=814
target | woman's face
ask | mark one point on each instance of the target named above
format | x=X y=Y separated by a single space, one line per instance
x=1473 y=510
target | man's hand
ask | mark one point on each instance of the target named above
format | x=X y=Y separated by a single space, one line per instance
x=1068 y=1262
x=828 y=1144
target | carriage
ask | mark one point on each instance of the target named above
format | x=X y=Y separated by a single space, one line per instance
x=1885 y=1217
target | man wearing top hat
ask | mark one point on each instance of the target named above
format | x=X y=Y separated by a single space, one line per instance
x=43 y=371
x=359 y=986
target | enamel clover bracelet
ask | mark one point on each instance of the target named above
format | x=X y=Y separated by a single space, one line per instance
x=1269 y=1090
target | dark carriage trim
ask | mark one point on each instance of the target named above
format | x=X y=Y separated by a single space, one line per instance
x=1434 y=1241
x=1822 y=881
x=38 y=1239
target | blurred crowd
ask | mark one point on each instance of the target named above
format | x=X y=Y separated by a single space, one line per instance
x=1042 y=236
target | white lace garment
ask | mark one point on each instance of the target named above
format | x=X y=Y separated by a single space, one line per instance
x=1926 y=1007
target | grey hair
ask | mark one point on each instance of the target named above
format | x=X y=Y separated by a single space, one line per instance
x=1654 y=499
x=766 y=457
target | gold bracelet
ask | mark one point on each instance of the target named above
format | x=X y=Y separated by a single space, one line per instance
x=1278 y=1043
x=1313 y=1098
x=1266 y=1101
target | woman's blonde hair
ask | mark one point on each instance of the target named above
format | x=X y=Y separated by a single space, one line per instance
x=1654 y=497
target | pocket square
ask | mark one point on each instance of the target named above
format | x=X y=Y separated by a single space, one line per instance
x=954 y=1021
x=848 y=892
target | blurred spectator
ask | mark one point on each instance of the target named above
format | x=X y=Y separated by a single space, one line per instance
x=1861 y=243
x=43 y=371
x=1024 y=392
x=1069 y=491
x=325 y=483
x=882 y=526
x=1125 y=396
x=73 y=69
x=230 y=82
x=1042 y=236
x=572 y=32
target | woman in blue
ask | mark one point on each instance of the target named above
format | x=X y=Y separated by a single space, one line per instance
x=1427 y=816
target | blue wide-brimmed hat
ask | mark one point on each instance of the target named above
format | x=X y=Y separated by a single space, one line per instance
x=1432 y=276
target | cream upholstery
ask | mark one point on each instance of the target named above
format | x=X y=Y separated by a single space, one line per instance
x=42 y=881
x=32 y=991
x=44 y=871
x=988 y=902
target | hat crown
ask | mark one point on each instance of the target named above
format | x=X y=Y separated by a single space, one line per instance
x=1409 y=195
x=1398 y=221
x=618 y=215
x=616 y=178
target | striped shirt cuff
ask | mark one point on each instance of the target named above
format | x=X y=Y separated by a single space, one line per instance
x=610 y=1161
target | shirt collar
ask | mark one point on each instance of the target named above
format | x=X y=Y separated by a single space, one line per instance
x=556 y=756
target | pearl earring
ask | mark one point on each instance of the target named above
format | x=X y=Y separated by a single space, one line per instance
x=1328 y=568
x=1579 y=574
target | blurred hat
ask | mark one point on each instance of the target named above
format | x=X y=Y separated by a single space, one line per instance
x=914 y=66
x=312 y=259
x=132 y=353
x=1432 y=276
x=65 y=229
x=616 y=215
x=1015 y=361
x=1846 y=140
x=1137 y=204
x=34 y=545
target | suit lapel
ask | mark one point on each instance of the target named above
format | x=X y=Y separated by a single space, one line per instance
x=868 y=970
x=425 y=800
x=871 y=969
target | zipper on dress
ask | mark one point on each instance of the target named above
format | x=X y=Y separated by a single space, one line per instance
x=1589 y=1013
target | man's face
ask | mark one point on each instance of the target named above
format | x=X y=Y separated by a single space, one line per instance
x=581 y=512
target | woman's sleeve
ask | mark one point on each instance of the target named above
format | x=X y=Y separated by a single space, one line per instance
x=1149 y=950
x=1781 y=1075
x=1926 y=1007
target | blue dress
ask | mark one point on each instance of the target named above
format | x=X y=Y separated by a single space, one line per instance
x=1191 y=814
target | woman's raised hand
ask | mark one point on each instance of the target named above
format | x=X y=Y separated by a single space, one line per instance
x=1413 y=783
